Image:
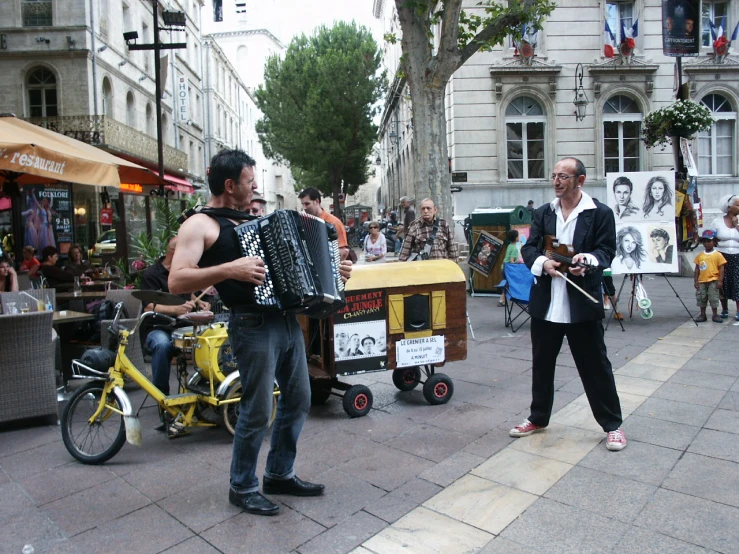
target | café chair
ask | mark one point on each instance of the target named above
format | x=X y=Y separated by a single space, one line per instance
x=27 y=379
x=516 y=283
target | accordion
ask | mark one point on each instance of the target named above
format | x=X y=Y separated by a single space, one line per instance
x=301 y=257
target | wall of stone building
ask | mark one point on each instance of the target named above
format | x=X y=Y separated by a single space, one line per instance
x=475 y=106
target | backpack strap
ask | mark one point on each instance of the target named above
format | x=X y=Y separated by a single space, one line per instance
x=215 y=213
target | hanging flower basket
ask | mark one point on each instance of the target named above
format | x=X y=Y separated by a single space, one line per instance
x=684 y=118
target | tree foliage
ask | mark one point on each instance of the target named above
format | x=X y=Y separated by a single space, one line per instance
x=318 y=104
x=428 y=69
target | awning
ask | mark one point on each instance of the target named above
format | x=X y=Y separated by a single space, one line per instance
x=178 y=184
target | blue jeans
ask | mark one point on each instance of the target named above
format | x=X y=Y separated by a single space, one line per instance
x=268 y=346
x=160 y=344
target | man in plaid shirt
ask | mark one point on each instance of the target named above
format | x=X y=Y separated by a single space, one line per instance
x=421 y=229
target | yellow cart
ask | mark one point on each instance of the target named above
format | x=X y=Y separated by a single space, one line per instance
x=407 y=317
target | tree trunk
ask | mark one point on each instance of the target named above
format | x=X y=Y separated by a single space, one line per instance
x=432 y=177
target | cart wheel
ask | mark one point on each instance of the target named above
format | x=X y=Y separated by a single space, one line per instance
x=319 y=392
x=645 y=303
x=407 y=378
x=438 y=389
x=357 y=401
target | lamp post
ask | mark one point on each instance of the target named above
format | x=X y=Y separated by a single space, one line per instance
x=172 y=21
x=581 y=100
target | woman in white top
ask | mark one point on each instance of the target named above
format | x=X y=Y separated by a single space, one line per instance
x=727 y=232
x=375 y=247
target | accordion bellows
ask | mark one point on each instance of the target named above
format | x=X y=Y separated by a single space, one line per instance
x=301 y=255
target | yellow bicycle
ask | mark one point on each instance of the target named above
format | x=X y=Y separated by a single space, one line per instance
x=100 y=418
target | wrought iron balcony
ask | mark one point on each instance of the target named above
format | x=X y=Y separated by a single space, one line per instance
x=103 y=131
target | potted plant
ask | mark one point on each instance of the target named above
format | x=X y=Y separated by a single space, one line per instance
x=666 y=125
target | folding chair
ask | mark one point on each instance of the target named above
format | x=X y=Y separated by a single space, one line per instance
x=517 y=287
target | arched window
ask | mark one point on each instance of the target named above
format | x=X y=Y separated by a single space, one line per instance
x=107 y=98
x=621 y=129
x=716 y=146
x=150 y=123
x=130 y=110
x=524 y=120
x=42 y=100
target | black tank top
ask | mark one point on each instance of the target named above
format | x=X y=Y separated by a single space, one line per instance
x=226 y=249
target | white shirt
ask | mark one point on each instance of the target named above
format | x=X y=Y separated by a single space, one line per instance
x=728 y=238
x=559 y=307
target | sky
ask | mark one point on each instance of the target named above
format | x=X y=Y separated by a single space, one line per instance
x=288 y=18
x=302 y=16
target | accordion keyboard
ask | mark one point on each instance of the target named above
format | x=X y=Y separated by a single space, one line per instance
x=251 y=246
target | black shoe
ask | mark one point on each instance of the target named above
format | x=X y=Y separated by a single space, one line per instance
x=294 y=487
x=253 y=502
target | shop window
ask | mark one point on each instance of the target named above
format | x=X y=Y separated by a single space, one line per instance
x=525 y=124
x=42 y=96
x=716 y=146
x=621 y=135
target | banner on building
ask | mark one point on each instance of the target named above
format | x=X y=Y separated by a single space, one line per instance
x=681 y=24
x=47 y=213
x=183 y=99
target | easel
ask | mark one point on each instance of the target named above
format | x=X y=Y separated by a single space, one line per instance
x=637 y=278
x=614 y=310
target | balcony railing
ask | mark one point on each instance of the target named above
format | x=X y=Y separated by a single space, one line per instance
x=103 y=131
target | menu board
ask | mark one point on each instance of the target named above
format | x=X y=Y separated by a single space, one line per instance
x=47 y=216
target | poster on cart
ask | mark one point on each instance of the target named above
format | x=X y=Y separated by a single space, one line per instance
x=644 y=205
x=360 y=334
x=420 y=351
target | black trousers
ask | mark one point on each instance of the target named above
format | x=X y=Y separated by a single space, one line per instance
x=589 y=351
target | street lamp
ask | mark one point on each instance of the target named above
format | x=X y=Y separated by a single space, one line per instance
x=580 y=101
x=174 y=20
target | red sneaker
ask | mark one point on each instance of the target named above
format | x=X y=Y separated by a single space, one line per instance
x=616 y=440
x=525 y=429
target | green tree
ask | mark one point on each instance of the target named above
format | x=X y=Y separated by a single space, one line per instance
x=427 y=69
x=318 y=105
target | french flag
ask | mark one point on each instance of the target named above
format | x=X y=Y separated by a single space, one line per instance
x=610 y=42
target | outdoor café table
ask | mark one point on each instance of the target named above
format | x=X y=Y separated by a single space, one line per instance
x=78 y=302
x=62 y=321
x=88 y=294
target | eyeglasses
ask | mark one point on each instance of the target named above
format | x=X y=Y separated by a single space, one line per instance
x=562 y=176
x=255 y=211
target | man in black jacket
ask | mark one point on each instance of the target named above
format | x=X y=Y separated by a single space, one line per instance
x=558 y=309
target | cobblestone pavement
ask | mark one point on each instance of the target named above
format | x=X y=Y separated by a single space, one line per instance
x=411 y=477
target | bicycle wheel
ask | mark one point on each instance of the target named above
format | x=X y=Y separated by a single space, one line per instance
x=98 y=442
x=230 y=412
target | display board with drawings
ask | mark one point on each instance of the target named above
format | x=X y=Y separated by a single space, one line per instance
x=644 y=206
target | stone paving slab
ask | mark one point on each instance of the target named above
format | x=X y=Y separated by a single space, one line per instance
x=408 y=471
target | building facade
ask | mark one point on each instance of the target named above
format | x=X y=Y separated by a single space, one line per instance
x=67 y=66
x=511 y=115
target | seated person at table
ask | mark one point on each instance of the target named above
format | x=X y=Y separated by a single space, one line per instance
x=54 y=275
x=8 y=277
x=158 y=340
x=76 y=265
x=30 y=263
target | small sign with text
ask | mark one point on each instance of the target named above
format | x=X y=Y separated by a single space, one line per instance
x=420 y=351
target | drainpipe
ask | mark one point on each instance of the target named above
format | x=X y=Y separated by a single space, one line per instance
x=207 y=95
x=94 y=60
